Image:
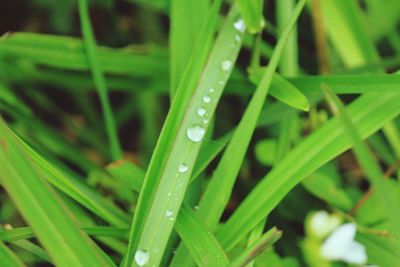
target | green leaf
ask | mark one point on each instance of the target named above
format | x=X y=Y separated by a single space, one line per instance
x=41 y=207
x=252 y=13
x=8 y=258
x=303 y=160
x=99 y=80
x=201 y=243
x=282 y=90
x=264 y=243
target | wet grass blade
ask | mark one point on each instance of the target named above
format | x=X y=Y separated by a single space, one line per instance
x=52 y=222
x=179 y=143
x=99 y=80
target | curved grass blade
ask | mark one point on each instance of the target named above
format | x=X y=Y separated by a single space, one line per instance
x=370 y=167
x=303 y=160
x=201 y=243
x=52 y=222
x=8 y=258
x=99 y=80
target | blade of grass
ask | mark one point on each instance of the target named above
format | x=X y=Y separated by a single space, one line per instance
x=369 y=166
x=99 y=80
x=66 y=244
x=303 y=160
x=8 y=258
x=164 y=185
x=264 y=243
x=183 y=35
x=251 y=11
x=217 y=194
x=201 y=243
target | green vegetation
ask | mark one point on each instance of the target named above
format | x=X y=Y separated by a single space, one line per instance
x=200 y=133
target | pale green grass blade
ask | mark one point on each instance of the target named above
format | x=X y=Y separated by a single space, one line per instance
x=8 y=258
x=264 y=243
x=352 y=41
x=66 y=244
x=303 y=160
x=289 y=65
x=224 y=176
x=27 y=232
x=201 y=243
x=251 y=11
x=33 y=248
x=180 y=139
x=217 y=194
x=369 y=166
x=349 y=84
x=66 y=182
x=68 y=53
x=99 y=80
x=282 y=90
x=186 y=20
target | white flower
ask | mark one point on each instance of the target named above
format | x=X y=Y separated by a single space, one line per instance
x=340 y=245
x=322 y=223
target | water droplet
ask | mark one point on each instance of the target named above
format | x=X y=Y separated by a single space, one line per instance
x=195 y=133
x=141 y=257
x=206 y=99
x=169 y=194
x=226 y=64
x=201 y=112
x=205 y=121
x=196 y=207
x=183 y=168
x=237 y=37
x=239 y=25
x=169 y=213
x=211 y=90
x=221 y=82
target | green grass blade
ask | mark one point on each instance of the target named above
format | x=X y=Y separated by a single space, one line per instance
x=99 y=80
x=217 y=194
x=66 y=244
x=303 y=160
x=68 y=53
x=224 y=176
x=183 y=35
x=264 y=243
x=289 y=65
x=176 y=145
x=8 y=258
x=251 y=11
x=369 y=166
x=201 y=243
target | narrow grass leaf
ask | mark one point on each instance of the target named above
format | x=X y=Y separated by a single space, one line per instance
x=368 y=164
x=201 y=243
x=264 y=243
x=217 y=194
x=186 y=20
x=65 y=242
x=8 y=258
x=99 y=80
x=252 y=13
x=303 y=160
